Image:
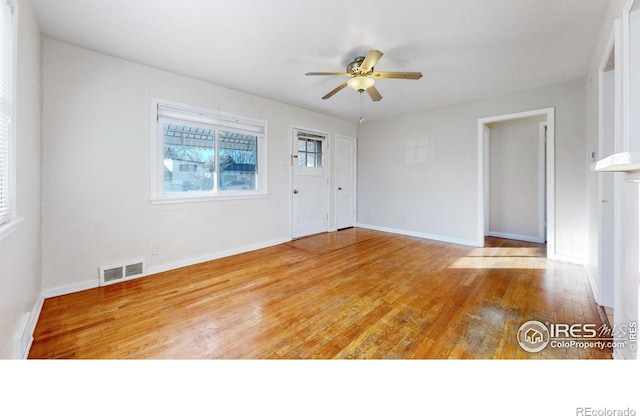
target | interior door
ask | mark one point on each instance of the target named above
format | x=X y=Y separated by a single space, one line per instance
x=310 y=184
x=606 y=226
x=346 y=182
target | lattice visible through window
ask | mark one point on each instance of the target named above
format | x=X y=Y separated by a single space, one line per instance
x=206 y=153
x=189 y=157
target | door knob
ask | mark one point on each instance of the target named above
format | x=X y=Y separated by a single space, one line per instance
x=339 y=188
x=295 y=191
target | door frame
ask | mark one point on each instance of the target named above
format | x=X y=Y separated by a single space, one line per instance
x=543 y=128
x=337 y=178
x=550 y=173
x=326 y=164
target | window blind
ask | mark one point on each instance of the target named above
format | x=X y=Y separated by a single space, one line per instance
x=217 y=119
x=6 y=58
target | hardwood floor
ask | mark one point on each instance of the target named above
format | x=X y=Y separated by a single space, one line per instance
x=355 y=293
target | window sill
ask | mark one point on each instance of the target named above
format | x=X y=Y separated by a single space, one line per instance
x=160 y=200
x=619 y=162
x=9 y=227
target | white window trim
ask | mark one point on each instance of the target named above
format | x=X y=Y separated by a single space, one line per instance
x=7 y=227
x=210 y=117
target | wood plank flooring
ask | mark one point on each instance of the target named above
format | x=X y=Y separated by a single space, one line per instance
x=350 y=294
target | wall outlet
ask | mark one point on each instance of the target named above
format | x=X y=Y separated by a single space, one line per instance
x=155 y=249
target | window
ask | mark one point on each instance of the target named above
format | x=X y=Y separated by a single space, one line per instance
x=309 y=151
x=204 y=154
x=7 y=168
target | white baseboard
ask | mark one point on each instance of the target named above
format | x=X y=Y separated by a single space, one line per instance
x=208 y=257
x=22 y=339
x=592 y=283
x=471 y=243
x=567 y=259
x=23 y=336
x=528 y=238
x=72 y=288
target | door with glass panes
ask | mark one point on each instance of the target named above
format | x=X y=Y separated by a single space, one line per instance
x=310 y=183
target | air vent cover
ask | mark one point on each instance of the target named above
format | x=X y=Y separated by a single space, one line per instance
x=112 y=274
x=133 y=269
x=121 y=272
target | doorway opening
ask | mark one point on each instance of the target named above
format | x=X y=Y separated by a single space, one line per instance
x=513 y=186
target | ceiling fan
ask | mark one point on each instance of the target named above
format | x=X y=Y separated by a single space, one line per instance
x=363 y=76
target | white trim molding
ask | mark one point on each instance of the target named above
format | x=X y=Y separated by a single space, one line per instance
x=213 y=256
x=444 y=239
x=550 y=173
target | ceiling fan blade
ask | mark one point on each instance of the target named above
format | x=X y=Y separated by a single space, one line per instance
x=401 y=75
x=334 y=91
x=337 y=74
x=369 y=61
x=374 y=93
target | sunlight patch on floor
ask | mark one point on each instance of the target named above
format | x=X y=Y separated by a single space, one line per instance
x=503 y=258
x=507 y=252
x=501 y=262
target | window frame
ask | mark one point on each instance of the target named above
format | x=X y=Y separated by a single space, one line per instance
x=163 y=110
x=8 y=224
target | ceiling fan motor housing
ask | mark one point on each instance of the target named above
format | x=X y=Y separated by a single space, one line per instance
x=354 y=67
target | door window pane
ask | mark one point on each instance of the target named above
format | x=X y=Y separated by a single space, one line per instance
x=309 y=152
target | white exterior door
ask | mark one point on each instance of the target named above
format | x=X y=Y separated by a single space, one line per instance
x=310 y=184
x=346 y=182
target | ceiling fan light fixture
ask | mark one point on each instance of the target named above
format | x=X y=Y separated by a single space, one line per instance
x=361 y=82
x=362 y=77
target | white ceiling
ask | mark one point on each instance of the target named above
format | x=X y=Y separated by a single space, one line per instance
x=466 y=49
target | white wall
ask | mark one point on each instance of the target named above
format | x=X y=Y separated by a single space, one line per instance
x=20 y=271
x=514 y=190
x=96 y=144
x=418 y=173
